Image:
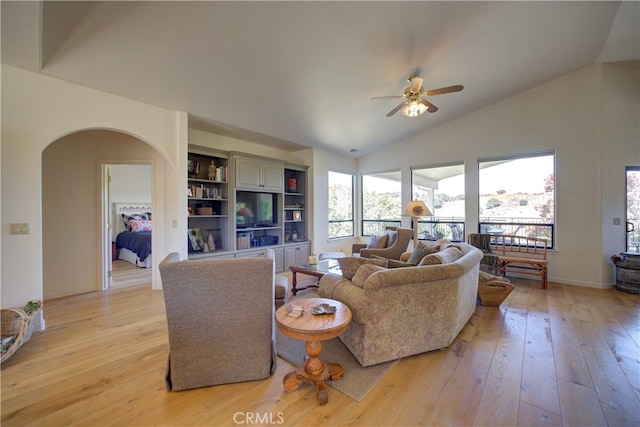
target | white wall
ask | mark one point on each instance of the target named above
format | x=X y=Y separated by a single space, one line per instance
x=565 y=115
x=620 y=148
x=130 y=183
x=323 y=162
x=36 y=111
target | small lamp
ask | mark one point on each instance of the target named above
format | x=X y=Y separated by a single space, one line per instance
x=415 y=209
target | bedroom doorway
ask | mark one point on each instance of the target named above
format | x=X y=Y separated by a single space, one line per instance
x=126 y=190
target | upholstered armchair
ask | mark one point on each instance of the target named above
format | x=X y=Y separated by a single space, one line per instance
x=396 y=243
x=220 y=320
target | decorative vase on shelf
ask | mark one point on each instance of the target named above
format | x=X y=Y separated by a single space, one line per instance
x=294 y=235
x=287 y=235
x=292 y=185
x=211 y=243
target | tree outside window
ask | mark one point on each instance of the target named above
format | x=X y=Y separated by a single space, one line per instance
x=340 y=205
x=381 y=202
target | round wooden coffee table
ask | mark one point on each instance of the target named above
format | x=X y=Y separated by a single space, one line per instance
x=314 y=328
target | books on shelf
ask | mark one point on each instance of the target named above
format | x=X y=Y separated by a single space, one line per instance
x=204 y=192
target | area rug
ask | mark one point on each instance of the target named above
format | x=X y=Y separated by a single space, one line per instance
x=357 y=381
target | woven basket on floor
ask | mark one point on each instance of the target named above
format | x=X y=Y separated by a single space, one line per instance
x=18 y=323
x=493 y=292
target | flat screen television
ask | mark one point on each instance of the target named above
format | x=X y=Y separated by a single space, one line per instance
x=256 y=209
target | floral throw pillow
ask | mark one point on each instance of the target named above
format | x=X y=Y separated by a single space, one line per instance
x=138 y=225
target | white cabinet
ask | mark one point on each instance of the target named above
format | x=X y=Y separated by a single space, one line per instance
x=259 y=174
x=278 y=255
x=296 y=254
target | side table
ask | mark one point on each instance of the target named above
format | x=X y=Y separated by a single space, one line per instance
x=314 y=329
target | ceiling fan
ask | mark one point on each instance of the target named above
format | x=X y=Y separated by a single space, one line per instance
x=415 y=102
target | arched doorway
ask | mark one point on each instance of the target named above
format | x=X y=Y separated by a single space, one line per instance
x=72 y=248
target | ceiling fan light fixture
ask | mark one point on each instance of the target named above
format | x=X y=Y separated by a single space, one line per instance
x=414 y=109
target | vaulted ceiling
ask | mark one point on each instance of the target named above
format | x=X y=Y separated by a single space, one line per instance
x=301 y=74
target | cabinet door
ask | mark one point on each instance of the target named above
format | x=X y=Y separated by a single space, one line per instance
x=304 y=253
x=248 y=173
x=296 y=255
x=279 y=259
x=273 y=176
x=290 y=256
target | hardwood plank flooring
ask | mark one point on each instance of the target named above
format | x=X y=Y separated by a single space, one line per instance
x=567 y=355
x=125 y=274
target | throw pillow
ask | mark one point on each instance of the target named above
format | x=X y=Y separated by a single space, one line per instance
x=378 y=242
x=445 y=256
x=393 y=263
x=430 y=260
x=349 y=265
x=393 y=236
x=420 y=251
x=363 y=273
x=450 y=245
x=138 y=225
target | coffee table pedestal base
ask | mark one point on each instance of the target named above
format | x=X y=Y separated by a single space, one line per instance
x=314 y=371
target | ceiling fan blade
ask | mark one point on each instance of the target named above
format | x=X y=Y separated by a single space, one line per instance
x=431 y=108
x=416 y=84
x=395 y=110
x=387 y=97
x=443 y=90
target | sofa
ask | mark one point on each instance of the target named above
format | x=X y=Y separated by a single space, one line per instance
x=220 y=320
x=409 y=309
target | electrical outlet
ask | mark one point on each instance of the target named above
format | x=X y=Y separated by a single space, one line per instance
x=19 y=228
x=175 y=223
x=616 y=221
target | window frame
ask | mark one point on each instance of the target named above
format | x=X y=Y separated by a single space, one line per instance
x=381 y=223
x=342 y=220
x=513 y=226
x=452 y=228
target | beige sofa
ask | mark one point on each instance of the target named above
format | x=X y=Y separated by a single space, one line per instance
x=399 y=312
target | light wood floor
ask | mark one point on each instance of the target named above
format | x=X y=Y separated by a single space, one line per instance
x=565 y=356
x=125 y=274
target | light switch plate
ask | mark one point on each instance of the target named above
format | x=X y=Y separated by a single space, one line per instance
x=19 y=228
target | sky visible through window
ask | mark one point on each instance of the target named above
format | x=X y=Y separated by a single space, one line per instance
x=525 y=175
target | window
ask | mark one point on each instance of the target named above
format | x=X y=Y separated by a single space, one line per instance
x=381 y=202
x=442 y=189
x=340 y=204
x=517 y=196
x=633 y=209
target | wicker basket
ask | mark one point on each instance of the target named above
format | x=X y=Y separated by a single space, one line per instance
x=493 y=292
x=204 y=211
x=19 y=324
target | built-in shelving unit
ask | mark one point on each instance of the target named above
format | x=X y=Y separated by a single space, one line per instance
x=207 y=202
x=296 y=237
x=240 y=204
